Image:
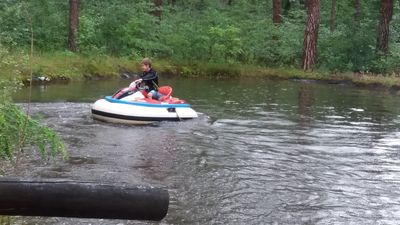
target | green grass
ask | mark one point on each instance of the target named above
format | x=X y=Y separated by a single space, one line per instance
x=75 y=67
x=71 y=66
x=64 y=66
x=390 y=80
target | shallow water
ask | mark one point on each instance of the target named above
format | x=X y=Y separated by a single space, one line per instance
x=261 y=152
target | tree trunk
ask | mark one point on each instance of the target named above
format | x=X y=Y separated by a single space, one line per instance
x=157 y=9
x=332 y=20
x=357 y=10
x=311 y=34
x=383 y=27
x=73 y=24
x=276 y=8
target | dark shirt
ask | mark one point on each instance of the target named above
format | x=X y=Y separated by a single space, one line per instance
x=150 y=80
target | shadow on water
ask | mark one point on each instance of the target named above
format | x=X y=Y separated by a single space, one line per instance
x=262 y=152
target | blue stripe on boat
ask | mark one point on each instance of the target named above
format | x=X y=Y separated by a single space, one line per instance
x=113 y=100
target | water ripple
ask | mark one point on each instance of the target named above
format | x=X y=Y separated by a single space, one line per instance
x=299 y=154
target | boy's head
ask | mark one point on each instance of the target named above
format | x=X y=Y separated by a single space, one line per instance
x=145 y=64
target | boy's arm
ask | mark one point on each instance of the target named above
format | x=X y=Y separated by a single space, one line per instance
x=150 y=76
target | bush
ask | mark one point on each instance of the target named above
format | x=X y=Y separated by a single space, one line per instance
x=18 y=130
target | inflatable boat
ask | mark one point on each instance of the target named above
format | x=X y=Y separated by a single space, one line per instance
x=137 y=109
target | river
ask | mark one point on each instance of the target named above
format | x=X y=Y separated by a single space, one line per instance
x=261 y=152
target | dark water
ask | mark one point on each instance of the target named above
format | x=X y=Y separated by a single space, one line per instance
x=261 y=152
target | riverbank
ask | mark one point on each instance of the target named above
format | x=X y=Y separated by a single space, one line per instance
x=67 y=67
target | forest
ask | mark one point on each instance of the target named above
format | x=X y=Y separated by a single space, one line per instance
x=330 y=36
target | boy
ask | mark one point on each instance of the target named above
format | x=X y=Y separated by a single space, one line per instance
x=149 y=78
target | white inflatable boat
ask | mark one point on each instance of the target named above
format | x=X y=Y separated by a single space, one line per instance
x=136 y=109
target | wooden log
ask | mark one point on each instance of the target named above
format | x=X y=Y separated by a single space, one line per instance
x=82 y=200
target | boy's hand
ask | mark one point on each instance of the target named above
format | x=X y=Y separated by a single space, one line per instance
x=135 y=83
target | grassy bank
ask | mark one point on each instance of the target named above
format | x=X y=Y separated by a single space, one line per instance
x=69 y=66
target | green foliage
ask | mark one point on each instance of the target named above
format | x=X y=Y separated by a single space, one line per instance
x=389 y=63
x=281 y=46
x=208 y=31
x=13 y=27
x=187 y=42
x=11 y=65
x=346 y=49
x=226 y=44
x=87 y=40
x=18 y=130
x=351 y=46
x=49 y=23
x=48 y=18
x=141 y=36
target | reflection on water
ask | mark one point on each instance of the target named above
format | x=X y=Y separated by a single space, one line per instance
x=262 y=152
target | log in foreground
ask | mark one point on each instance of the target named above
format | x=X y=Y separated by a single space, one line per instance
x=82 y=200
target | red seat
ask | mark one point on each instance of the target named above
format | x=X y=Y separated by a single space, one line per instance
x=165 y=91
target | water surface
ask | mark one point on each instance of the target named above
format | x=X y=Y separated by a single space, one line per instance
x=261 y=152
